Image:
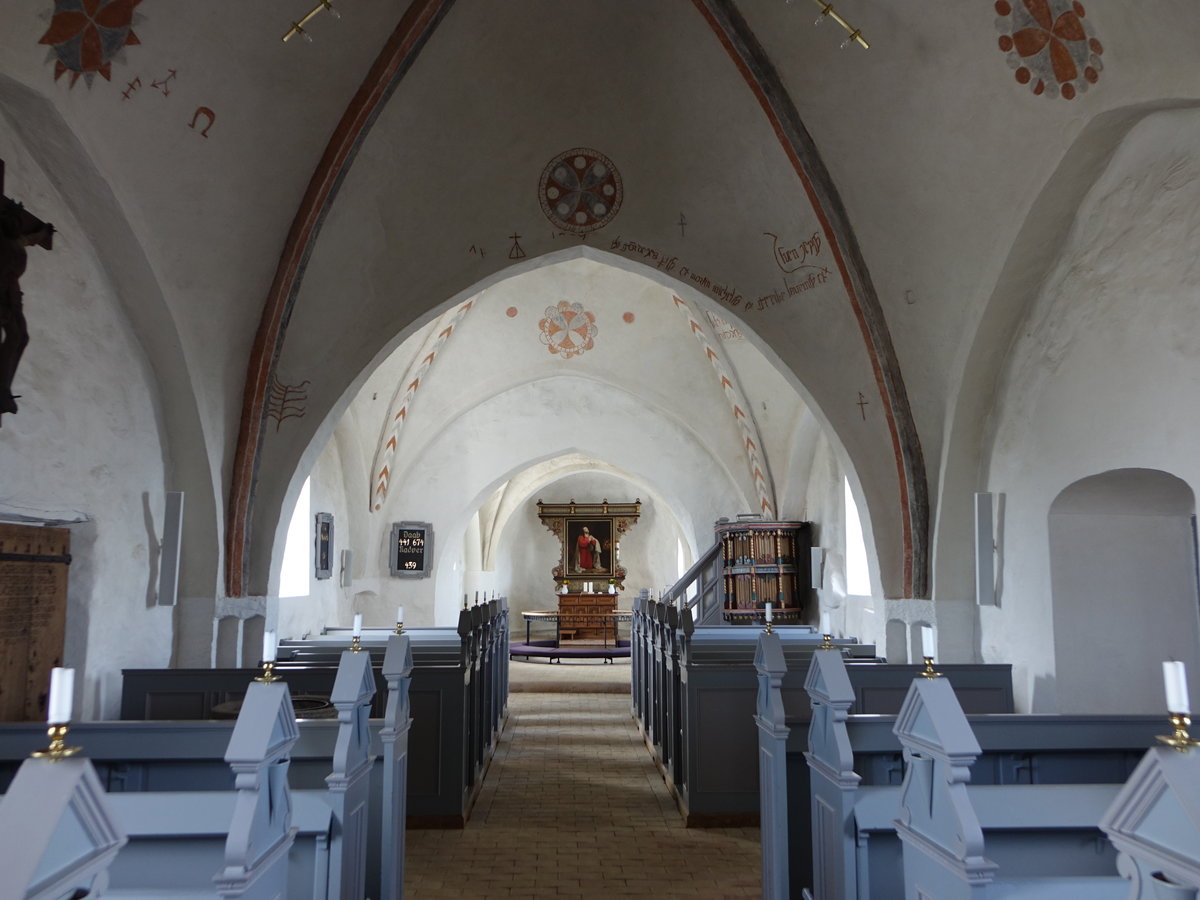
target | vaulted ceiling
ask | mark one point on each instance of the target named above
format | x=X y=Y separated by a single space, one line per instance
x=288 y=213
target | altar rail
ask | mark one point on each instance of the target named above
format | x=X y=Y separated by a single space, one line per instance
x=828 y=821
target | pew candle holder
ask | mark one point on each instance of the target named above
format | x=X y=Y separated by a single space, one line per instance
x=1181 y=740
x=356 y=644
x=826 y=642
x=268 y=676
x=399 y=628
x=929 y=671
x=58 y=748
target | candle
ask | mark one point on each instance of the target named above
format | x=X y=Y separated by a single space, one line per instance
x=270 y=642
x=62 y=696
x=826 y=628
x=1175 y=679
x=769 y=611
x=358 y=624
x=927 y=649
x=399 y=613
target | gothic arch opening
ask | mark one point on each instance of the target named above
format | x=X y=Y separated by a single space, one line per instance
x=1123 y=582
x=684 y=409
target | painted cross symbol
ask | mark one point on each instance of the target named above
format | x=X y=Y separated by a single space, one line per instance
x=516 y=252
x=862 y=404
x=131 y=87
x=682 y=223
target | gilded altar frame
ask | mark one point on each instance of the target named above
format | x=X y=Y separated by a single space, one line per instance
x=606 y=523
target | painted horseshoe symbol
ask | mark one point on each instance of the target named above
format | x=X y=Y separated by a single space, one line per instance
x=203 y=111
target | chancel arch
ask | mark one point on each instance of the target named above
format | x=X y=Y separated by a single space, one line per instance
x=472 y=414
x=1122 y=542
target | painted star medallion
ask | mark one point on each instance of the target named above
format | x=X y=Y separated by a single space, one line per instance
x=1050 y=45
x=85 y=36
x=568 y=329
x=580 y=190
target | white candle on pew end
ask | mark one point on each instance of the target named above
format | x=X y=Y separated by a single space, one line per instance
x=1175 y=680
x=358 y=625
x=825 y=624
x=270 y=643
x=399 y=613
x=62 y=696
x=927 y=648
x=769 y=612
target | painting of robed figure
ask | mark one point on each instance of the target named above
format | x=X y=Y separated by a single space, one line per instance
x=589 y=547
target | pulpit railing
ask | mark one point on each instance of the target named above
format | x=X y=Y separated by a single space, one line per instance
x=702 y=588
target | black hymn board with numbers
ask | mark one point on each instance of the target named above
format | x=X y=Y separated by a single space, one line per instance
x=412 y=548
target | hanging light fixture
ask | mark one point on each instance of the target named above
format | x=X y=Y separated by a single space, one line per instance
x=853 y=35
x=298 y=27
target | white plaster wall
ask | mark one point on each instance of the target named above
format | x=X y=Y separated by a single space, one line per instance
x=85 y=448
x=1105 y=375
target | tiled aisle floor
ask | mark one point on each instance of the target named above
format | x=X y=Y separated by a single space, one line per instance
x=573 y=807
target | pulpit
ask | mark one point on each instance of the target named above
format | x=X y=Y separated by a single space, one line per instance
x=765 y=561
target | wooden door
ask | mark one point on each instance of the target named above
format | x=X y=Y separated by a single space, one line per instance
x=33 y=616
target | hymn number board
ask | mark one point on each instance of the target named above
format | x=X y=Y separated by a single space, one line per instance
x=412 y=549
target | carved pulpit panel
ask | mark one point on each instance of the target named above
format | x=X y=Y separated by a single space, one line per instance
x=33 y=616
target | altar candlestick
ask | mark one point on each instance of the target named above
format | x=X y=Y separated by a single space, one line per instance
x=1175 y=680
x=927 y=647
x=62 y=696
x=270 y=642
x=357 y=625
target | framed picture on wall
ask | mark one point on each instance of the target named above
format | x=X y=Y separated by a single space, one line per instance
x=590 y=549
x=411 y=549
x=323 y=547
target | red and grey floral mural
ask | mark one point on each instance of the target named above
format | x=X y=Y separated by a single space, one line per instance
x=1050 y=45
x=568 y=329
x=85 y=36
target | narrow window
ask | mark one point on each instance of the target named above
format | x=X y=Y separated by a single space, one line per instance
x=297 y=550
x=858 y=576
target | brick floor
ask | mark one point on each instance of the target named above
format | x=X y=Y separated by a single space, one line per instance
x=574 y=807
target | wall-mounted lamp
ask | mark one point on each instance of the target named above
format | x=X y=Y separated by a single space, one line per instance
x=298 y=27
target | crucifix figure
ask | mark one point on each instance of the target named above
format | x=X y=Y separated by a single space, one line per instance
x=18 y=229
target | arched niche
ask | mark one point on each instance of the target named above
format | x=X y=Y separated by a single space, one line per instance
x=1124 y=592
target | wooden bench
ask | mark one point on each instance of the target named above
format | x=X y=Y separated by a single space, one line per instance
x=962 y=842
x=856 y=764
x=694 y=697
x=458 y=696
x=178 y=838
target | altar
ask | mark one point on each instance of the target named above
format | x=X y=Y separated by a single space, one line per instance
x=587 y=616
